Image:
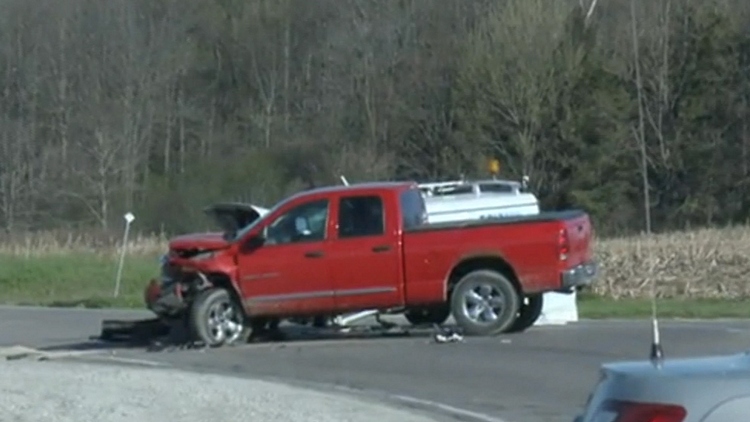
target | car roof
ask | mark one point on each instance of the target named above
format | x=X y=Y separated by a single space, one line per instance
x=711 y=366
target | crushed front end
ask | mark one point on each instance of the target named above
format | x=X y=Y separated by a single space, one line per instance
x=164 y=295
x=194 y=260
x=169 y=295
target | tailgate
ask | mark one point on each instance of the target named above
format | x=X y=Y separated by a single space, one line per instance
x=580 y=239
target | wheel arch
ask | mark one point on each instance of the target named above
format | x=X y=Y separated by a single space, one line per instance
x=482 y=262
x=224 y=281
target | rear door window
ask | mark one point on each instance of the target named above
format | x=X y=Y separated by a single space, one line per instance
x=361 y=216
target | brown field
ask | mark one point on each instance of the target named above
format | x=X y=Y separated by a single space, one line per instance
x=63 y=242
x=708 y=263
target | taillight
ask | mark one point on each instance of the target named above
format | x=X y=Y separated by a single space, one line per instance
x=563 y=245
x=626 y=411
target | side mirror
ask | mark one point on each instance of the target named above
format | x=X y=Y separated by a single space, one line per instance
x=255 y=242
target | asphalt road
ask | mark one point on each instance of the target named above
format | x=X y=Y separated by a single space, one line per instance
x=544 y=374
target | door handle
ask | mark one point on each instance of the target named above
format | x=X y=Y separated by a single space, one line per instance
x=313 y=254
x=381 y=248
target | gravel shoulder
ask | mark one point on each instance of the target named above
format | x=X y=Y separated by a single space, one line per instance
x=63 y=391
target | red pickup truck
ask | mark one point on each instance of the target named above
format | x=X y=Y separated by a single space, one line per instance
x=340 y=249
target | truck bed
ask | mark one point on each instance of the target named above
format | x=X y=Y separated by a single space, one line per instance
x=530 y=245
x=546 y=216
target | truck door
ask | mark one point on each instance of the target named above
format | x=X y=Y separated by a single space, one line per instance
x=288 y=271
x=365 y=257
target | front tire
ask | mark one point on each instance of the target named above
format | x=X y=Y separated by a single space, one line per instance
x=484 y=302
x=215 y=318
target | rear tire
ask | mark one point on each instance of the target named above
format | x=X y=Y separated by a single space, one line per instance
x=430 y=315
x=528 y=313
x=484 y=302
x=216 y=319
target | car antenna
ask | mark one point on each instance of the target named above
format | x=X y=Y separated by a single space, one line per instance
x=343 y=180
x=657 y=353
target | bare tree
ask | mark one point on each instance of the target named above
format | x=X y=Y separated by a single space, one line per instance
x=97 y=174
x=640 y=135
x=509 y=82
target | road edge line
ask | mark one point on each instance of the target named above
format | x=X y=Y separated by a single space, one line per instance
x=457 y=411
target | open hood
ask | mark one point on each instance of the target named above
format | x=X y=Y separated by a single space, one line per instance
x=233 y=216
x=230 y=217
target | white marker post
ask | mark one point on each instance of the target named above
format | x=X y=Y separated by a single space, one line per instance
x=129 y=217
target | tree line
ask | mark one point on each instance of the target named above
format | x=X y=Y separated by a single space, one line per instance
x=635 y=110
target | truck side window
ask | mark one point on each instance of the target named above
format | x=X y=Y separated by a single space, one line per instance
x=412 y=209
x=303 y=223
x=361 y=216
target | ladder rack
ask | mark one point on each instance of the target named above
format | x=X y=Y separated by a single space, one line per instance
x=473 y=187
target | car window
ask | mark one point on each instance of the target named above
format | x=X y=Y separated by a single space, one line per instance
x=303 y=223
x=361 y=216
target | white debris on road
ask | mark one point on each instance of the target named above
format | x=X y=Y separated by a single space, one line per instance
x=79 y=392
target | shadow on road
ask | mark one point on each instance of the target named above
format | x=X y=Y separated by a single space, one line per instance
x=153 y=336
x=121 y=334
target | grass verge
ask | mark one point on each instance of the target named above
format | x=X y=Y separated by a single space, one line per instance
x=74 y=279
x=598 y=307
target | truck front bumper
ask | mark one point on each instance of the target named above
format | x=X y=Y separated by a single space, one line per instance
x=164 y=302
x=582 y=275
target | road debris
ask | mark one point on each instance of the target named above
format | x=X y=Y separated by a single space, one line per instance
x=446 y=335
